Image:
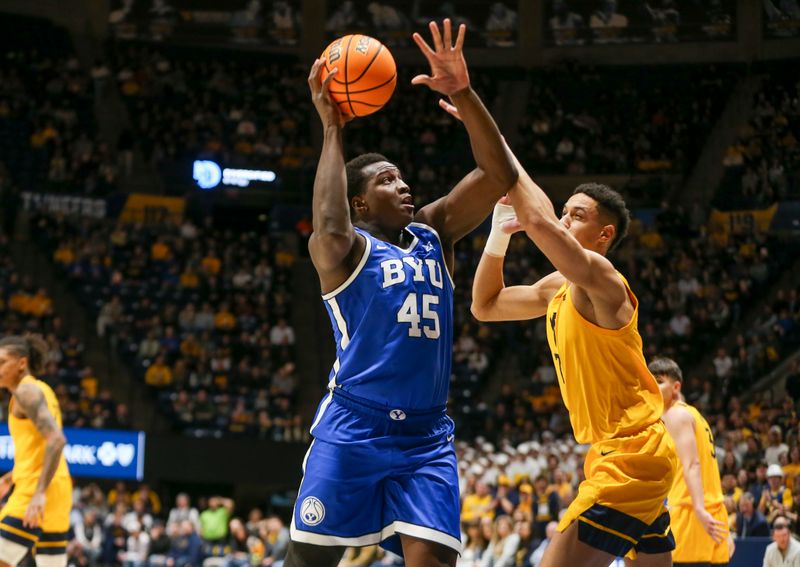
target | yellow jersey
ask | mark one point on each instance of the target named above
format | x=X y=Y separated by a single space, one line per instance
x=709 y=469
x=602 y=373
x=29 y=445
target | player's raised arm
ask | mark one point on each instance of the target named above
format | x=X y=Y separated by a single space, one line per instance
x=585 y=268
x=464 y=208
x=334 y=240
x=491 y=299
x=32 y=401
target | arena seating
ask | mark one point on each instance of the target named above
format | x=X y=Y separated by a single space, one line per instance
x=193 y=310
x=26 y=307
x=621 y=120
x=48 y=138
x=761 y=166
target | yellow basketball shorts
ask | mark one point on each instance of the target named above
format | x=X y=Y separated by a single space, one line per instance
x=620 y=506
x=50 y=538
x=693 y=546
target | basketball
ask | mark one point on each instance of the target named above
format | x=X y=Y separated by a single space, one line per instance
x=367 y=74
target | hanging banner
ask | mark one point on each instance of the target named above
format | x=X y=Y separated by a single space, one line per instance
x=742 y=222
x=153 y=209
x=65 y=204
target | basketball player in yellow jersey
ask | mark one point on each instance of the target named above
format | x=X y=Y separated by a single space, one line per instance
x=613 y=401
x=698 y=516
x=36 y=515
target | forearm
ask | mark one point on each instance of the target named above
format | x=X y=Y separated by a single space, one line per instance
x=487 y=285
x=694 y=482
x=52 y=458
x=331 y=211
x=491 y=154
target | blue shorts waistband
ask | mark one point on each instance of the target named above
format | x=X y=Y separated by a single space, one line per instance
x=370 y=407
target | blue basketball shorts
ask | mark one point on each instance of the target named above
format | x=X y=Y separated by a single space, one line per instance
x=372 y=474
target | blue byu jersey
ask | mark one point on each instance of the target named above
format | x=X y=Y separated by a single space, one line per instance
x=393 y=324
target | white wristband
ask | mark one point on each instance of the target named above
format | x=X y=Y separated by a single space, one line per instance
x=497 y=242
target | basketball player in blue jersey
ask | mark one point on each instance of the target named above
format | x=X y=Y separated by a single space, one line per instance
x=381 y=467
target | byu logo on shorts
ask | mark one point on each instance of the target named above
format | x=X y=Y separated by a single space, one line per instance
x=312 y=512
x=397 y=414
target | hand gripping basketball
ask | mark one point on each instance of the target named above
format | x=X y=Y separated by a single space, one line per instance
x=366 y=74
x=326 y=108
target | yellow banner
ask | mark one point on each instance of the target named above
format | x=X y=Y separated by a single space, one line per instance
x=741 y=222
x=152 y=209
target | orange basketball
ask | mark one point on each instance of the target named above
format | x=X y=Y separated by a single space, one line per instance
x=367 y=74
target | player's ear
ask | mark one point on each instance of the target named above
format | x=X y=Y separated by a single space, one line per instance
x=607 y=234
x=359 y=204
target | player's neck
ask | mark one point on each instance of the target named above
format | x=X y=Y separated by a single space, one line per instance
x=399 y=238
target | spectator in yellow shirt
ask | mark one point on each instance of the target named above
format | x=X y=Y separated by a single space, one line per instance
x=150 y=498
x=731 y=489
x=477 y=505
x=525 y=505
x=191 y=347
x=211 y=264
x=189 y=278
x=159 y=251
x=64 y=254
x=224 y=319
x=40 y=304
x=159 y=375
x=19 y=302
x=792 y=468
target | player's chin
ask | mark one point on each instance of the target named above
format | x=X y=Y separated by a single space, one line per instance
x=407 y=213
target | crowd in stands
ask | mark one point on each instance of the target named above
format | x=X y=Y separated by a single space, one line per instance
x=587 y=120
x=48 y=134
x=26 y=307
x=200 y=314
x=761 y=166
x=513 y=493
x=131 y=528
x=231 y=107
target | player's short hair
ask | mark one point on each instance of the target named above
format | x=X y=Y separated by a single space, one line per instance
x=354 y=169
x=664 y=366
x=32 y=347
x=611 y=203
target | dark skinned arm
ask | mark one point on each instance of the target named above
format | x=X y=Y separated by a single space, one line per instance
x=472 y=199
x=32 y=401
x=334 y=243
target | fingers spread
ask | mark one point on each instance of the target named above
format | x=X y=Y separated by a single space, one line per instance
x=462 y=31
x=437 y=36
x=448 y=35
x=421 y=80
x=423 y=45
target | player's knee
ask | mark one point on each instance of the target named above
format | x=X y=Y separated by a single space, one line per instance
x=45 y=560
x=308 y=555
x=11 y=553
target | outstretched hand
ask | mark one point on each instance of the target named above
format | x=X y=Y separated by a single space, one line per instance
x=326 y=107
x=449 y=73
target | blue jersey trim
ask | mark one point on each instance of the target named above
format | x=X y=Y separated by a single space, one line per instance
x=439 y=238
x=354 y=275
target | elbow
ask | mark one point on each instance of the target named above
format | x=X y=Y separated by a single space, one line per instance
x=478 y=311
x=509 y=175
x=504 y=176
x=481 y=311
